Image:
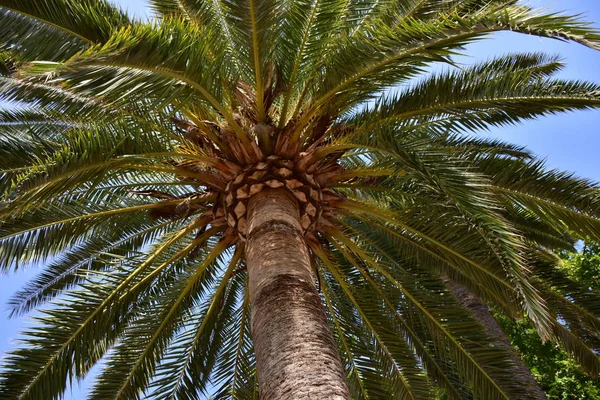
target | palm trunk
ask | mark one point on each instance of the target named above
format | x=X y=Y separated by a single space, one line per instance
x=481 y=312
x=296 y=355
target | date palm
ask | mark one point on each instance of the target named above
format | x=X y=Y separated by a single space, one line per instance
x=231 y=199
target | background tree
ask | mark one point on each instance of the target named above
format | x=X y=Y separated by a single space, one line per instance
x=583 y=266
x=222 y=192
x=559 y=376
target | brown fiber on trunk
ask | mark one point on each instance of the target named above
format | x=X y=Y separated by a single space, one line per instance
x=296 y=355
x=481 y=312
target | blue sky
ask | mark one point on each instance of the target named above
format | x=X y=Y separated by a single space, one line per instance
x=567 y=141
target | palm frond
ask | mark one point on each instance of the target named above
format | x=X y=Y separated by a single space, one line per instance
x=18 y=31
x=142 y=346
x=500 y=92
x=89 y=20
x=189 y=367
x=43 y=371
x=403 y=384
x=72 y=267
x=236 y=373
x=498 y=382
x=367 y=64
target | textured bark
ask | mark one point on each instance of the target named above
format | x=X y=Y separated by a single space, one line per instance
x=296 y=355
x=520 y=372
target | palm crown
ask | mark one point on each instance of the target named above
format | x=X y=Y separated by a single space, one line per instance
x=130 y=168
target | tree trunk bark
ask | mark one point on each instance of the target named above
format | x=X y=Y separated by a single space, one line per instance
x=481 y=312
x=296 y=355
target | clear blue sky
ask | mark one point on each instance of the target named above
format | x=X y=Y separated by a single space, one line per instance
x=567 y=141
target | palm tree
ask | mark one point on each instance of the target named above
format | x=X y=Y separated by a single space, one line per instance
x=230 y=198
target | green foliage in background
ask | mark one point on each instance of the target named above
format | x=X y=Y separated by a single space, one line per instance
x=558 y=374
